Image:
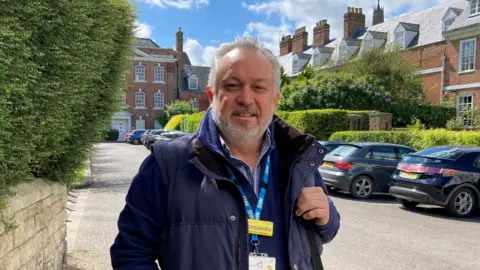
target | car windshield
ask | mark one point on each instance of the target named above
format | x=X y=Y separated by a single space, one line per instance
x=433 y=155
x=344 y=150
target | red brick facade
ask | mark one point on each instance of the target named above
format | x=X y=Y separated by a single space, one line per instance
x=172 y=64
x=430 y=57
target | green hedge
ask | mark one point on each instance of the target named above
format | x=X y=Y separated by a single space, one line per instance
x=175 y=121
x=112 y=135
x=190 y=124
x=416 y=139
x=61 y=70
x=322 y=123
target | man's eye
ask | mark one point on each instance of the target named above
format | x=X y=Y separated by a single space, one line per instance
x=231 y=85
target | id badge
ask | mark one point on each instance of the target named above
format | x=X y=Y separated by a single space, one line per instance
x=261 y=262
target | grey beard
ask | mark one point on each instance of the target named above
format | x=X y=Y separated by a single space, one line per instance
x=237 y=135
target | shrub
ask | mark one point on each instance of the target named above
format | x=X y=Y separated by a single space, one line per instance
x=434 y=116
x=112 y=135
x=174 y=122
x=190 y=124
x=61 y=70
x=416 y=139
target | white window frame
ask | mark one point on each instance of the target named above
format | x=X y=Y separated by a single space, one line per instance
x=466 y=106
x=195 y=104
x=193 y=82
x=343 y=53
x=139 y=100
x=140 y=73
x=295 y=65
x=159 y=73
x=474 y=6
x=158 y=101
x=448 y=22
x=461 y=56
x=399 y=41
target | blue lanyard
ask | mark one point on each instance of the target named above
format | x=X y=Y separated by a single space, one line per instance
x=260 y=201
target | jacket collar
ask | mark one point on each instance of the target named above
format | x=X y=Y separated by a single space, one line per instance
x=290 y=142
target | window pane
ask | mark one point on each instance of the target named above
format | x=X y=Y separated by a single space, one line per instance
x=140 y=99
x=140 y=73
x=384 y=153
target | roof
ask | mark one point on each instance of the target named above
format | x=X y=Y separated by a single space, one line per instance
x=463 y=21
x=286 y=61
x=202 y=75
x=378 y=35
x=186 y=59
x=410 y=27
x=429 y=23
x=145 y=43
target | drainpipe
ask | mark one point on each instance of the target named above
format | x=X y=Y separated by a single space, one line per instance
x=442 y=93
x=177 y=94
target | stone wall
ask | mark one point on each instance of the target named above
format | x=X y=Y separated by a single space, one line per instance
x=381 y=121
x=38 y=241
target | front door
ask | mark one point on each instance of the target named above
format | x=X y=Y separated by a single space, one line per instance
x=121 y=126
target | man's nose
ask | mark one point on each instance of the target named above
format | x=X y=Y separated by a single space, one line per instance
x=246 y=96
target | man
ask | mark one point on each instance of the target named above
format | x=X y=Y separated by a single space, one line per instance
x=246 y=184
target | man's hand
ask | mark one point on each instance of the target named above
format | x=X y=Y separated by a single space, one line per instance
x=313 y=204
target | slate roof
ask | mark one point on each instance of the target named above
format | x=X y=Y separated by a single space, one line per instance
x=463 y=21
x=429 y=21
x=145 y=43
x=202 y=75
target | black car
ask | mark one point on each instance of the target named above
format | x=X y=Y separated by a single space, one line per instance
x=362 y=168
x=166 y=136
x=446 y=176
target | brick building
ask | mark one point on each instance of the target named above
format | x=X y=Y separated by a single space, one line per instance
x=444 y=41
x=157 y=77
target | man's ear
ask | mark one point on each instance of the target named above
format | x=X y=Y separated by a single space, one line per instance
x=209 y=93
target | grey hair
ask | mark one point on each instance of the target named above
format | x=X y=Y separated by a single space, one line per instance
x=246 y=43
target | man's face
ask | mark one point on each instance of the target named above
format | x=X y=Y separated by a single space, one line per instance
x=244 y=100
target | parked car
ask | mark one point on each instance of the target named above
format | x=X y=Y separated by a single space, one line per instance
x=135 y=136
x=143 y=139
x=330 y=145
x=166 y=136
x=362 y=168
x=446 y=176
x=127 y=134
x=151 y=137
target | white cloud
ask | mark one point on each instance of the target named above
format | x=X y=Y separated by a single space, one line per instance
x=198 y=55
x=299 y=13
x=180 y=4
x=143 y=30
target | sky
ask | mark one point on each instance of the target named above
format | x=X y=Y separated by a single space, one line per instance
x=208 y=23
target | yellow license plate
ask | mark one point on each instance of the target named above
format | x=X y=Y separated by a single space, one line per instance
x=409 y=175
x=328 y=165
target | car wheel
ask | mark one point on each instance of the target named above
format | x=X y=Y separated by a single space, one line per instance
x=362 y=187
x=136 y=141
x=408 y=204
x=462 y=203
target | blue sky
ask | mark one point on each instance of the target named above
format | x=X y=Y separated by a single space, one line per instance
x=208 y=23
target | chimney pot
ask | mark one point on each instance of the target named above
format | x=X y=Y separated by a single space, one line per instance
x=361 y=11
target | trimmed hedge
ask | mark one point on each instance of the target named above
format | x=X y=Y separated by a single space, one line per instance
x=61 y=70
x=416 y=139
x=112 y=135
x=190 y=124
x=175 y=121
x=322 y=123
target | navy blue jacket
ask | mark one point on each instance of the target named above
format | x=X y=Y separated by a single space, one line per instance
x=183 y=211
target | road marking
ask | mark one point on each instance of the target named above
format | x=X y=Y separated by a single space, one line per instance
x=75 y=217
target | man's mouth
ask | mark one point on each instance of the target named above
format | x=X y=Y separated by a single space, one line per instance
x=245 y=114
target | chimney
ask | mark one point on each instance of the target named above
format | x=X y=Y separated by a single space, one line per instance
x=286 y=45
x=321 y=33
x=353 y=20
x=179 y=40
x=300 y=40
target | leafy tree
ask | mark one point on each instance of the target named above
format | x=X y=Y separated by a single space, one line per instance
x=179 y=107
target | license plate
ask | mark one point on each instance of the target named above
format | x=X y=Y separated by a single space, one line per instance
x=327 y=165
x=409 y=175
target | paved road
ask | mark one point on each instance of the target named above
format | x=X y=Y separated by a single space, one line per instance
x=375 y=234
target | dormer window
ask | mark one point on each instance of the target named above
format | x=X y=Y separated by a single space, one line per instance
x=474 y=7
x=367 y=44
x=193 y=82
x=449 y=18
x=295 y=65
x=399 y=39
x=447 y=23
